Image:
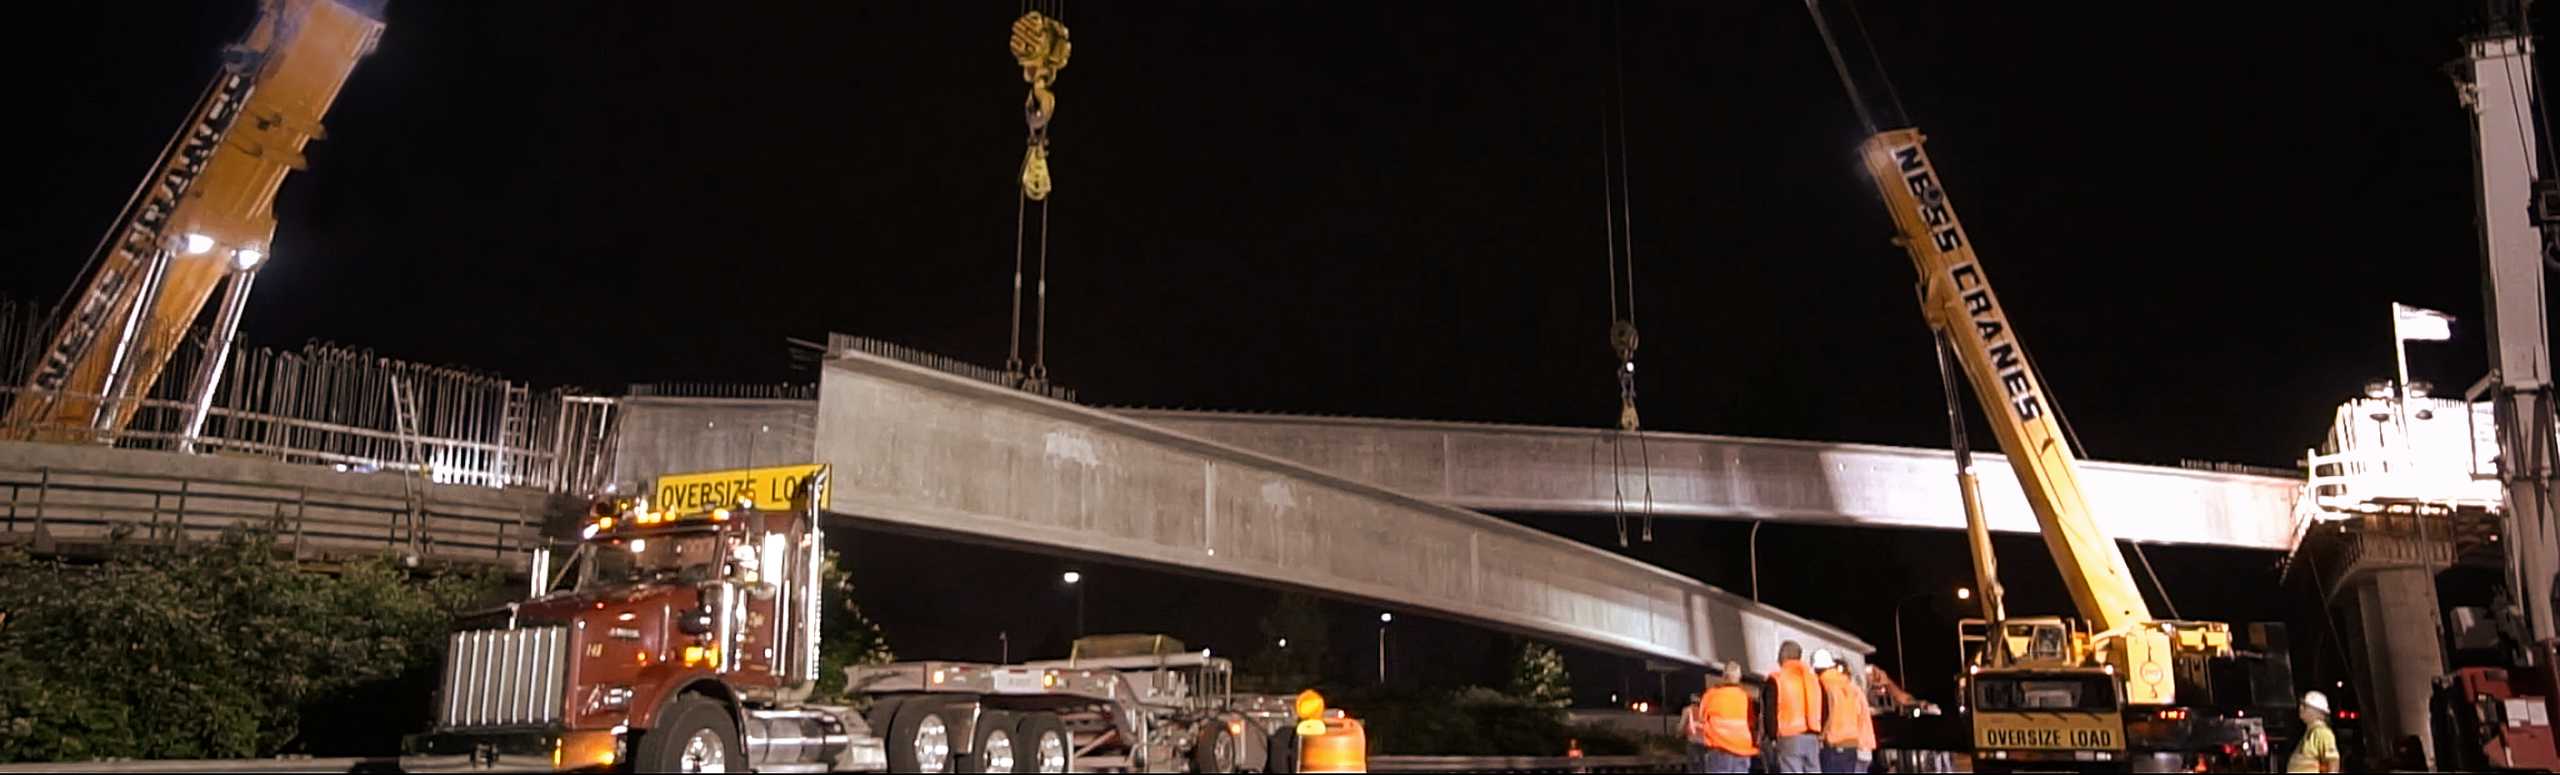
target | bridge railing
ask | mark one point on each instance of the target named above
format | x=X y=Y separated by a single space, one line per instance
x=328 y=404
x=63 y=510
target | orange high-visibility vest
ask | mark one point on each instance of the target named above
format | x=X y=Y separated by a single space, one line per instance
x=1728 y=721
x=1799 y=699
x=1848 y=725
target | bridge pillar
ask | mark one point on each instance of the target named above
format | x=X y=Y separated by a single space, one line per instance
x=2399 y=653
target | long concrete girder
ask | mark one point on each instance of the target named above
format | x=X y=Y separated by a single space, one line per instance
x=1532 y=469
x=925 y=450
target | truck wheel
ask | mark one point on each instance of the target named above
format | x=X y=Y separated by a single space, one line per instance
x=695 y=735
x=1282 y=756
x=1215 y=750
x=920 y=739
x=1041 y=744
x=993 y=748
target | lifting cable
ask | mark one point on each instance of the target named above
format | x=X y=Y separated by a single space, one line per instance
x=1618 y=219
x=1040 y=45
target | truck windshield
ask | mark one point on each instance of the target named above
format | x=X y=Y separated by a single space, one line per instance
x=2045 y=692
x=679 y=557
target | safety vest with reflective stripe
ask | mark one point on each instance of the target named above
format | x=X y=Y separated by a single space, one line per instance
x=1848 y=725
x=1728 y=721
x=1799 y=699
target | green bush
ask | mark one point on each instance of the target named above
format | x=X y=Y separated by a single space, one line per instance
x=218 y=650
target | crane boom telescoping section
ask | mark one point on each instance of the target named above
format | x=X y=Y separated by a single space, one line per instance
x=206 y=212
x=1958 y=301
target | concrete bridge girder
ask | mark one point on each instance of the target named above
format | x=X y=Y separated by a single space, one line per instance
x=1573 y=470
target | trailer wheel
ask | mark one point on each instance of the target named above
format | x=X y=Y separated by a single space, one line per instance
x=1041 y=744
x=993 y=748
x=696 y=735
x=1215 y=750
x=920 y=739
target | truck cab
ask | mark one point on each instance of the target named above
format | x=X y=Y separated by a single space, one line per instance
x=675 y=639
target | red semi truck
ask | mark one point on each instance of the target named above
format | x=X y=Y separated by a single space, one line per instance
x=685 y=639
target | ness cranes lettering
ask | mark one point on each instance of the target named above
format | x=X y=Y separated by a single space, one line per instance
x=205 y=215
x=2130 y=686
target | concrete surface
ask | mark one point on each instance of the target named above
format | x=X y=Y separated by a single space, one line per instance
x=1522 y=468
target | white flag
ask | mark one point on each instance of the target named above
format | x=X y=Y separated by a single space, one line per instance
x=2426 y=325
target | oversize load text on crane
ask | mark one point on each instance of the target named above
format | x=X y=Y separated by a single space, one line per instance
x=1931 y=202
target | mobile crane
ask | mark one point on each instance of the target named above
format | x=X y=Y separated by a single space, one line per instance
x=2116 y=686
x=205 y=215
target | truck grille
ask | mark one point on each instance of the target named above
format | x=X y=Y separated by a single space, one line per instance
x=504 y=677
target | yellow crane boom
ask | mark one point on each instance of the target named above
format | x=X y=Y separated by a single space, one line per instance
x=1958 y=301
x=205 y=214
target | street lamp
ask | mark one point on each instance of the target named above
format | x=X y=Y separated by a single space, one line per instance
x=1075 y=580
x=1902 y=665
x=1384 y=619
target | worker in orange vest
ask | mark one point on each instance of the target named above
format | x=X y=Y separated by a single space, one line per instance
x=1799 y=703
x=1723 y=725
x=1848 y=732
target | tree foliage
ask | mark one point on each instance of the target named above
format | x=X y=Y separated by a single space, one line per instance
x=212 y=651
x=845 y=637
x=1538 y=677
x=1282 y=670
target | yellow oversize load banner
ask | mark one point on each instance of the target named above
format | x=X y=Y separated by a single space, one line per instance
x=771 y=488
x=2049 y=731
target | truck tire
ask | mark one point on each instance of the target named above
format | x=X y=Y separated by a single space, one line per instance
x=920 y=738
x=1215 y=749
x=695 y=735
x=1041 y=744
x=1282 y=756
x=992 y=748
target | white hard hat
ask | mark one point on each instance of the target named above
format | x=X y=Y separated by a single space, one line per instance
x=2315 y=701
x=1822 y=659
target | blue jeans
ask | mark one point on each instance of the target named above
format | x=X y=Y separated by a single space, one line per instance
x=1840 y=760
x=1719 y=761
x=1799 y=753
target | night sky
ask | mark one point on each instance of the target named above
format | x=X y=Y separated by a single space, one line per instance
x=2197 y=214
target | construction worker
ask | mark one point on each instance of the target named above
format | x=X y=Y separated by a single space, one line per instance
x=1725 y=729
x=2318 y=751
x=1799 y=703
x=1848 y=733
x=1693 y=730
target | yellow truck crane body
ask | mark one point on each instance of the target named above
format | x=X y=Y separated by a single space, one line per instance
x=206 y=212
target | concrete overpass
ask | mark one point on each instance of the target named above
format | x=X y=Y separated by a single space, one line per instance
x=921 y=449
x=1530 y=469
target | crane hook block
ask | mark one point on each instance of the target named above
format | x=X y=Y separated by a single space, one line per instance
x=1040 y=45
x=1622 y=338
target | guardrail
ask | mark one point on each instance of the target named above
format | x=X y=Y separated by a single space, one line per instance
x=278 y=764
x=56 y=509
x=1376 y=764
x=1528 y=764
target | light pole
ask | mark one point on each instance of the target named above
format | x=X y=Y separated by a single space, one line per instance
x=1004 y=648
x=1076 y=580
x=1901 y=665
x=1384 y=619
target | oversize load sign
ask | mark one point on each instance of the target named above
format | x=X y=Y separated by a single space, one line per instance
x=772 y=488
x=2048 y=731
